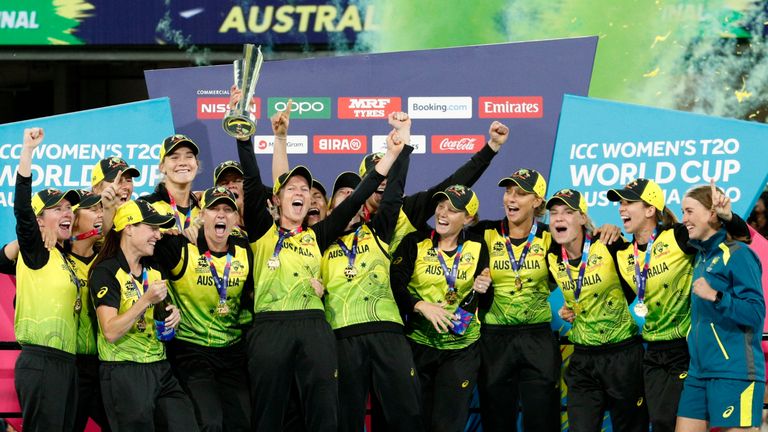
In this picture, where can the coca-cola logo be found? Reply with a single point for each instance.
(457, 143)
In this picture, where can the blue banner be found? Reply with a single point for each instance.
(75, 142)
(603, 145)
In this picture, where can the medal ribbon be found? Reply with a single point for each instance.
(450, 278)
(175, 209)
(85, 235)
(642, 276)
(284, 234)
(515, 263)
(144, 283)
(72, 275)
(351, 253)
(582, 265)
(223, 282)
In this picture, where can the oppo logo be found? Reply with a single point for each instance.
(302, 108)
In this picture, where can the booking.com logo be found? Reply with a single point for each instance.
(301, 108)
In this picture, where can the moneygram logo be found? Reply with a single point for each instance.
(457, 143)
(214, 108)
(302, 108)
(265, 144)
(418, 142)
(340, 144)
(440, 107)
(368, 107)
(510, 107)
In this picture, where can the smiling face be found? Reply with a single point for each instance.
(566, 224)
(59, 216)
(293, 199)
(636, 215)
(87, 219)
(448, 220)
(519, 205)
(142, 238)
(318, 207)
(219, 220)
(180, 166)
(700, 221)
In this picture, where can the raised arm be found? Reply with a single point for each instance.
(385, 219)
(31, 244)
(280, 123)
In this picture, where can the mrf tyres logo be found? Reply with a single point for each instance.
(340, 144)
(368, 107)
(301, 107)
(457, 143)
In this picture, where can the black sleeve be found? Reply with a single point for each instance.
(104, 287)
(246, 296)
(484, 261)
(169, 251)
(617, 246)
(385, 220)
(258, 220)
(419, 206)
(330, 228)
(737, 228)
(400, 272)
(31, 245)
(7, 265)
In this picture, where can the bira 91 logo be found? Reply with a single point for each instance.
(340, 144)
(510, 107)
(215, 108)
(368, 107)
(457, 143)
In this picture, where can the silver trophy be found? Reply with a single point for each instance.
(239, 122)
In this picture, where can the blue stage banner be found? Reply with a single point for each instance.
(74, 142)
(603, 145)
(341, 103)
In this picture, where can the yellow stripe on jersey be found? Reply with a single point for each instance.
(745, 408)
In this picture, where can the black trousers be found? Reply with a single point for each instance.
(145, 397)
(89, 401)
(216, 380)
(46, 385)
(383, 364)
(520, 364)
(607, 377)
(293, 347)
(665, 367)
(448, 379)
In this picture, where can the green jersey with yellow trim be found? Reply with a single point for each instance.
(194, 291)
(45, 304)
(288, 287)
(402, 229)
(602, 315)
(86, 327)
(366, 297)
(417, 254)
(160, 200)
(668, 287)
(515, 304)
(112, 285)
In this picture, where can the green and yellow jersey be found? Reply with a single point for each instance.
(194, 290)
(45, 289)
(602, 314)
(161, 201)
(416, 274)
(112, 285)
(516, 303)
(87, 327)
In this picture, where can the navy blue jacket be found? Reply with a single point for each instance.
(724, 341)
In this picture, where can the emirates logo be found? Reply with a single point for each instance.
(522, 174)
(565, 193)
(457, 190)
(115, 162)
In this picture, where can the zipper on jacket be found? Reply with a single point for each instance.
(717, 338)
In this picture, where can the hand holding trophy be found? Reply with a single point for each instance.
(239, 122)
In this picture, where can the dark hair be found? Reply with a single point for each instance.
(665, 218)
(108, 250)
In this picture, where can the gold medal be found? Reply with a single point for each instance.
(141, 325)
(222, 309)
(78, 305)
(518, 282)
(273, 263)
(576, 308)
(451, 297)
(350, 272)
(641, 309)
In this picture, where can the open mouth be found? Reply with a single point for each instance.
(442, 222)
(65, 225)
(297, 204)
(313, 211)
(220, 228)
(123, 197)
(97, 225)
(379, 191)
(561, 229)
